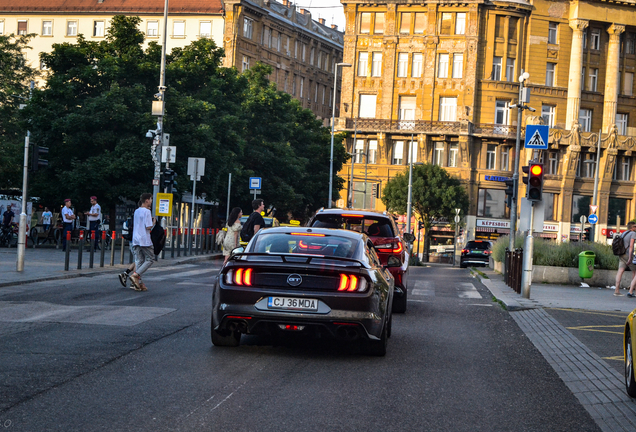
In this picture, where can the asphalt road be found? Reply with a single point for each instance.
(87, 354)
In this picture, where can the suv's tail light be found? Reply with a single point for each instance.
(487, 252)
(240, 276)
(390, 248)
(465, 251)
(352, 283)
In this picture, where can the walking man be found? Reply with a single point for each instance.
(255, 222)
(142, 243)
(46, 219)
(67, 218)
(625, 261)
(94, 218)
(7, 216)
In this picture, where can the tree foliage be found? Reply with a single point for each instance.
(435, 195)
(94, 112)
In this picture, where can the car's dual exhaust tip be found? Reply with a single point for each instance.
(347, 333)
(240, 326)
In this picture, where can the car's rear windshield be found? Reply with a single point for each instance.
(306, 243)
(371, 226)
(478, 245)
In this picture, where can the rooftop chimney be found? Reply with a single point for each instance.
(321, 21)
(335, 27)
(286, 3)
(305, 12)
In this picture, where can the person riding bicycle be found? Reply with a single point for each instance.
(7, 217)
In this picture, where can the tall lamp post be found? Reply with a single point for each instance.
(333, 117)
(409, 202)
(25, 182)
(596, 174)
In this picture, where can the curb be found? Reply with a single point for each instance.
(92, 272)
(502, 293)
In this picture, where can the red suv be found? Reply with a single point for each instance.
(381, 229)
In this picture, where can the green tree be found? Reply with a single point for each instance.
(15, 75)
(435, 194)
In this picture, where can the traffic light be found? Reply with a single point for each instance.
(535, 182)
(509, 192)
(168, 179)
(526, 171)
(420, 225)
(36, 162)
(586, 232)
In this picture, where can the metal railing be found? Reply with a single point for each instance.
(386, 125)
(514, 264)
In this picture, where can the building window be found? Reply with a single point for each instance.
(294, 88)
(626, 164)
(492, 203)
(496, 69)
(43, 65)
(446, 23)
(365, 23)
(405, 22)
(453, 153)
(330, 97)
(585, 39)
(319, 63)
(593, 79)
(1, 27)
(311, 56)
(585, 119)
(491, 157)
(420, 23)
(302, 88)
(438, 154)
(359, 151)
(512, 28)
(152, 29)
(47, 28)
(595, 42)
(372, 151)
(324, 89)
(442, 68)
(22, 28)
(205, 29)
(316, 93)
(447, 108)
(416, 69)
(505, 157)
(367, 106)
(553, 33)
(376, 64)
(547, 113)
(502, 112)
(363, 61)
(406, 110)
(304, 52)
(71, 28)
(378, 27)
(413, 145)
(589, 165)
(248, 27)
(550, 72)
(460, 23)
(178, 29)
(617, 208)
(580, 207)
(499, 26)
(398, 153)
(458, 65)
(621, 123)
(553, 163)
(98, 28)
(510, 70)
(246, 63)
(629, 44)
(628, 84)
(403, 65)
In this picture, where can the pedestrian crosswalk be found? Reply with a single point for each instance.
(425, 289)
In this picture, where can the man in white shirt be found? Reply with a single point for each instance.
(67, 218)
(94, 217)
(141, 241)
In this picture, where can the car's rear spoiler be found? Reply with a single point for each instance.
(300, 258)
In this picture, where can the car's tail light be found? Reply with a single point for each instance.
(398, 248)
(390, 248)
(351, 283)
(488, 252)
(465, 251)
(308, 234)
(352, 215)
(240, 276)
(303, 245)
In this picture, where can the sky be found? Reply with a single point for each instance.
(330, 10)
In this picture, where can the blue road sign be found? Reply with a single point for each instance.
(592, 219)
(537, 136)
(255, 182)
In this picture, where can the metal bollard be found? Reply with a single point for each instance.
(173, 233)
(80, 250)
(112, 248)
(121, 255)
(67, 253)
(197, 241)
(91, 248)
(163, 251)
(103, 249)
(179, 243)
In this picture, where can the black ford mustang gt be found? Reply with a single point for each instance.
(305, 280)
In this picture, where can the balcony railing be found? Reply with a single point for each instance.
(416, 126)
(495, 130)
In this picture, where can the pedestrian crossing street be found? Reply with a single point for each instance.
(424, 290)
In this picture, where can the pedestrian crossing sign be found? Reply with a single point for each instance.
(537, 137)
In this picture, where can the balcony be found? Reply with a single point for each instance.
(415, 126)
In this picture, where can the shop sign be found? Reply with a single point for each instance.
(550, 227)
(575, 228)
(609, 232)
(496, 178)
(493, 223)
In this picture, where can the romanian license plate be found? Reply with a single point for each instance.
(289, 303)
(478, 252)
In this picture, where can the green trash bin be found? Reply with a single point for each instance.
(586, 264)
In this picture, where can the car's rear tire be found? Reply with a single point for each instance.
(630, 383)
(226, 338)
(377, 348)
(399, 303)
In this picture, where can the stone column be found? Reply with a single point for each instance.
(612, 79)
(576, 63)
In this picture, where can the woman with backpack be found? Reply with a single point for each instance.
(231, 240)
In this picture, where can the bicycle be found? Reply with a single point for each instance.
(9, 236)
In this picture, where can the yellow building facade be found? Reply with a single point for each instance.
(445, 75)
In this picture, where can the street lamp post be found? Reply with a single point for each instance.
(333, 116)
(25, 182)
(353, 156)
(408, 202)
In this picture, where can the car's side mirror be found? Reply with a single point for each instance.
(409, 237)
(393, 262)
(238, 250)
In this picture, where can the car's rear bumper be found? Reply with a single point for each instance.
(475, 260)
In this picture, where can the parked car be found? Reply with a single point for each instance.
(476, 252)
(383, 232)
(628, 347)
(305, 281)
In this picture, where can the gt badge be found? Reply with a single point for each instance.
(294, 279)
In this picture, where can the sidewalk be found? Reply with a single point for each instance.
(556, 296)
(48, 264)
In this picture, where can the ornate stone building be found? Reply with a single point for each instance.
(301, 51)
(446, 74)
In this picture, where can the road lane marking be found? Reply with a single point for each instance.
(468, 290)
(479, 304)
(418, 301)
(170, 268)
(596, 328)
(604, 313)
(195, 283)
(619, 358)
(423, 292)
(182, 275)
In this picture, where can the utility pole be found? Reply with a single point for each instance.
(409, 203)
(333, 119)
(25, 183)
(353, 156)
(594, 195)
